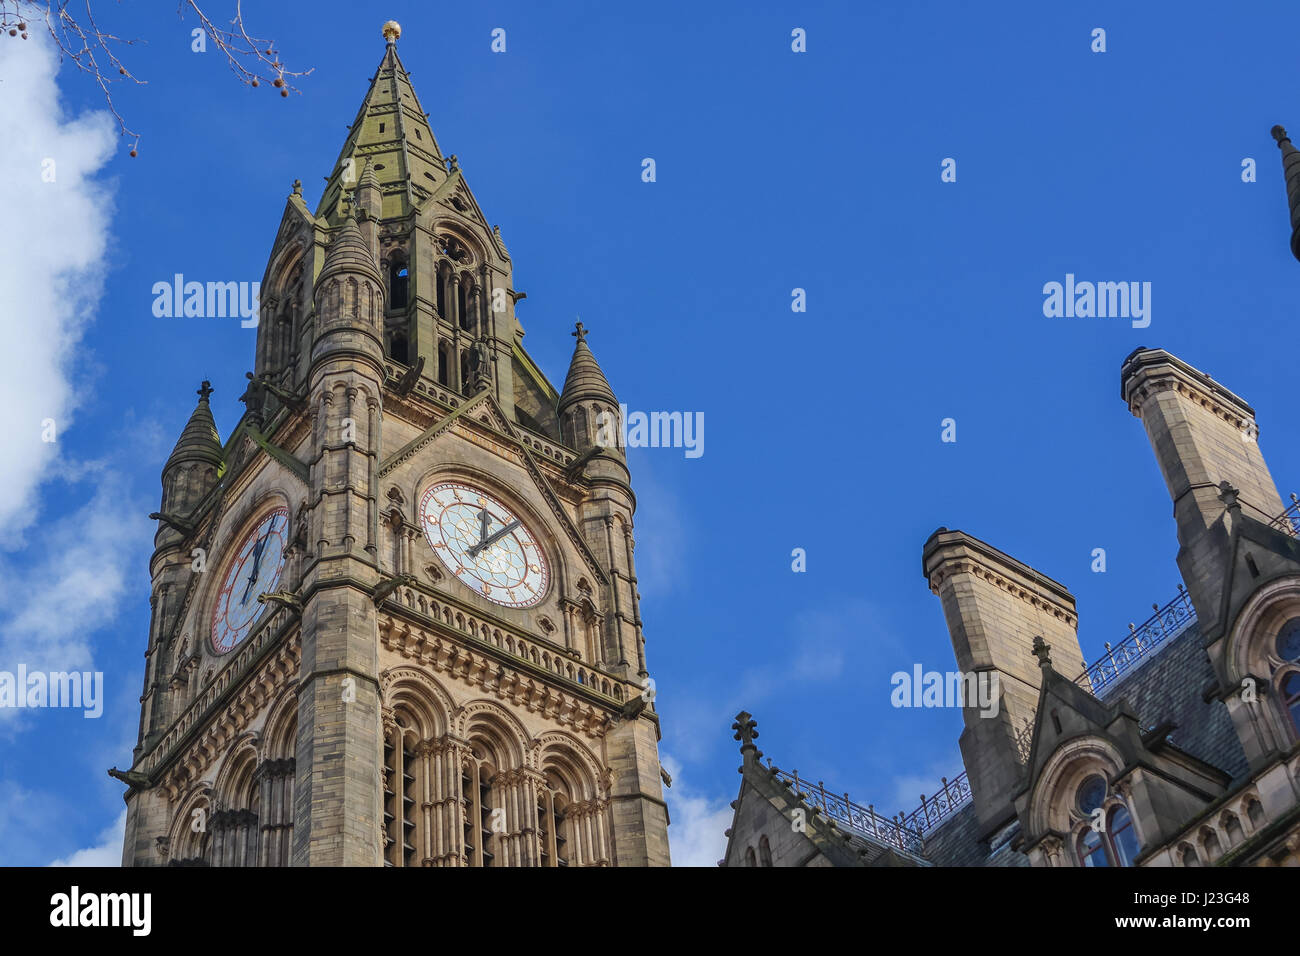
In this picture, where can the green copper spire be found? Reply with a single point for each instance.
(393, 133)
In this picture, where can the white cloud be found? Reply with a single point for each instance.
(51, 263)
(696, 836)
(62, 590)
(108, 852)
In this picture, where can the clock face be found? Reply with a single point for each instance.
(484, 545)
(254, 570)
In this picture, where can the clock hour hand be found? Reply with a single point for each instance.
(485, 522)
(257, 562)
(487, 542)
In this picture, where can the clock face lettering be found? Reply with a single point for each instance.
(254, 570)
(484, 544)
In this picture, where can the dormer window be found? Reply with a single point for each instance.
(1106, 836)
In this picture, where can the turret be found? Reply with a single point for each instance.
(1202, 435)
(339, 695)
(195, 463)
(588, 411)
(996, 607)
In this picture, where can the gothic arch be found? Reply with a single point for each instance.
(413, 693)
(564, 755)
(1051, 804)
(455, 229)
(280, 738)
(498, 729)
(234, 783)
(1261, 617)
(1251, 652)
(183, 841)
(280, 274)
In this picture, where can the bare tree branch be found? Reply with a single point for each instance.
(78, 36)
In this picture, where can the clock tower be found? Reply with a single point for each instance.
(395, 617)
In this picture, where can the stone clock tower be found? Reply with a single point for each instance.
(395, 614)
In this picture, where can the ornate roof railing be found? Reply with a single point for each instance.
(905, 831)
(908, 831)
(1167, 622)
(1289, 520)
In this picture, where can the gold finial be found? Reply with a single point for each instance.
(392, 30)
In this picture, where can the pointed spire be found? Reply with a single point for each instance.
(392, 131)
(585, 379)
(368, 178)
(348, 252)
(200, 440)
(1291, 172)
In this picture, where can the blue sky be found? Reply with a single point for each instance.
(775, 171)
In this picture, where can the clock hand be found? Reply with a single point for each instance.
(257, 561)
(485, 522)
(474, 551)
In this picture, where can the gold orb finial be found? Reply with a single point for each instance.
(392, 30)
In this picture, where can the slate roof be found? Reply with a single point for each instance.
(1169, 687)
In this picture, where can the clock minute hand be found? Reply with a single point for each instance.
(257, 563)
(486, 542)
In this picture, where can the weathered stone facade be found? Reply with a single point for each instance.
(1180, 748)
(378, 709)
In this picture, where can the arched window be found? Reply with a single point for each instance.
(1255, 814)
(400, 802)
(1122, 836)
(1189, 856)
(1116, 843)
(1231, 828)
(764, 851)
(476, 800)
(1092, 849)
(442, 295)
(553, 823)
(1291, 698)
(462, 304)
(581, 432)
(398, 283)
(749, 857)
(1210, 844)
(444, 366)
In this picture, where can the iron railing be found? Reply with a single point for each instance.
(1167, 622)
(908, 831)
(904, 831)
(1289, 520)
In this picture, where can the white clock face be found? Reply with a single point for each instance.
(255, 569)
(484, 544)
